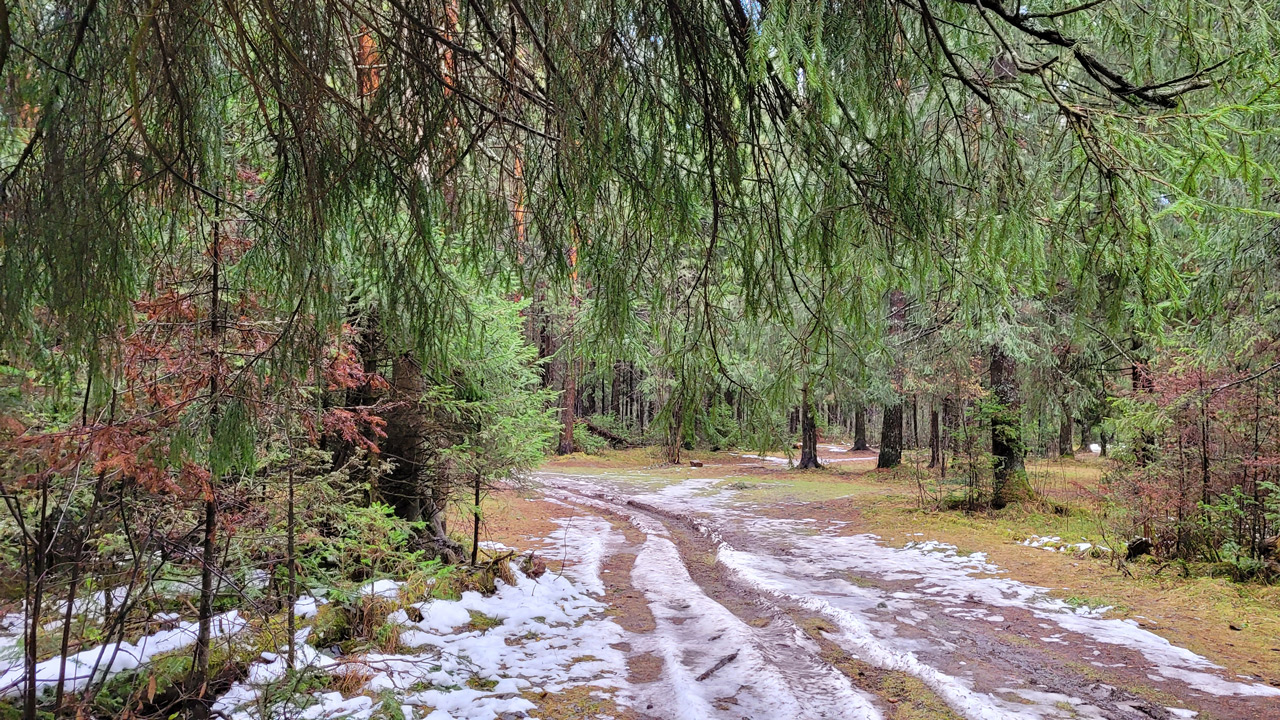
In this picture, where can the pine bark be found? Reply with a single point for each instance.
(405, 441)
(891, 428)
(891, 437)
(808, 433)
(860, 428)
(935, 437)
(915, 422)
(675, 431)
(1066, 433)
(1009, 481)
(567, 417)
(570, 397)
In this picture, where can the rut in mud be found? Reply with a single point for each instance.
(756, 617)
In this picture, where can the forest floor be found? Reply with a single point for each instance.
(746, 589)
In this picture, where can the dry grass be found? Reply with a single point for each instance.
(351, 681)
(510, 516)
(577, 703)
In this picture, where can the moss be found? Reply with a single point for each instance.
(331, 626)
(915, 701)
(124, 691)
(485, 684)
(482, 622)
(10, 710)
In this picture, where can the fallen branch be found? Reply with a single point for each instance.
(614, 439)
(723, 661)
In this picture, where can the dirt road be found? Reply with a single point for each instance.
(733, 614)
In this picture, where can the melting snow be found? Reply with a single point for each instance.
(695, 632)
(551, 635)
(586, 540)
(111, 658)
(811, 570)
(1056, 544)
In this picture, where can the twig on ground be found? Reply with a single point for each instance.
(723, 661)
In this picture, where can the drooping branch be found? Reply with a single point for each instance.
(1163, 94)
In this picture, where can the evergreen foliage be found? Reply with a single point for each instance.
(333, 271)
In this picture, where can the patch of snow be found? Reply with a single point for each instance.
(694, 632)
(1057, 544)
(943, 574)
(307, 607)
(438, 616)
(257, 579)
(857, 637)
(581, 543)
(551, 634)
(383, 588)
(766, 458)
(111, 658)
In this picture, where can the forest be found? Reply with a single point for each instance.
(434, 359)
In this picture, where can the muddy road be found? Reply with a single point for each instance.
(733, 614)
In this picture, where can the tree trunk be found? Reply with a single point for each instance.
(951, 419)
(1065, 433)
(675, 429)
(1086, 436)
(199, 676)
(405, 441)
(291, 557)
(368, 69)
(1142, 383)
(860, 428)
(566, 413)
(915, 422)
(1009, 481)
(475, 528)
(891, 437)
(808, 433)
(891, 428)
(615, 391)
(935, 437)
(34, 565)
(208, 555)
(570, 399)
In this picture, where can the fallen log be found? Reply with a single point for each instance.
(614, 439)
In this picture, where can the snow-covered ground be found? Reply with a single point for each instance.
(921, 610)
(103, 660)
(902, 620)
(548, 634)
(551, 635)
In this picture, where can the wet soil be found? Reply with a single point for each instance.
(1008, 653)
